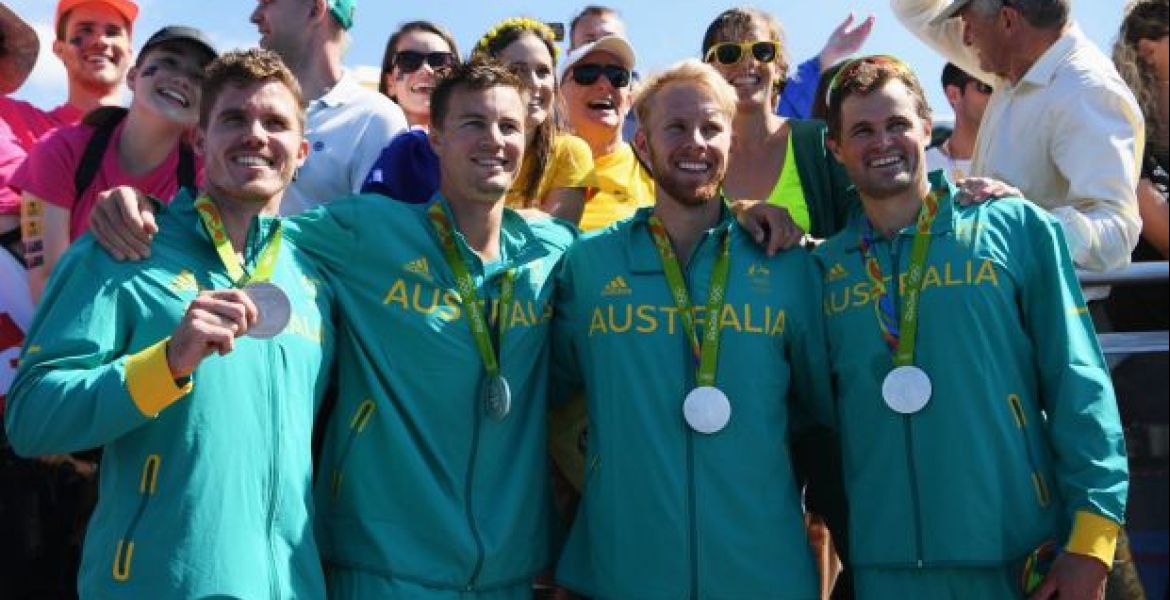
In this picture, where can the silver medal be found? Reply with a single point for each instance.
(497, 397)
(707, 409)
(906, 390)
(273, 306)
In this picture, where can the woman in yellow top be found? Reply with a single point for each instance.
(783, 161)
(557, 167)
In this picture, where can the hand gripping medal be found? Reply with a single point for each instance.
(706, 408)
(906, 389)
(495, 395)
(271, 301)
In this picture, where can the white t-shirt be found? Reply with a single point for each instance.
(955, 169)
(346, 129)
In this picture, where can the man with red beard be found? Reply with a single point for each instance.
(688, 488)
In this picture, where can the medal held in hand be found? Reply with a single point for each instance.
(271, 301)
(706, 408)
(273, 306)
(495, 395)
(906, 389)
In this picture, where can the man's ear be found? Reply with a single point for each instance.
(198, 140)
(834, 149)
(131, 75)
(435, 137)
(1147, 49)
(953, 93)
(302, 152)
(642, 146)
(317, 9)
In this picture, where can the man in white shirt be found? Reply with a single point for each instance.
(347, 125)
(968, 98)
(1061, 125)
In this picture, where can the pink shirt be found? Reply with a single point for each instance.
(48, 174)
(21, 125)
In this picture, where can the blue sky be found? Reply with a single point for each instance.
(662, 31)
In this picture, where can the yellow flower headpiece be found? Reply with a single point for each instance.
(522, 23)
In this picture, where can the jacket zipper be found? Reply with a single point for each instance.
(273, 477)
(471, 522)
(147, 486)
(357, 424)
(1038, 483)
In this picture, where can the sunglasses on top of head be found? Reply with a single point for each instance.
(730, 53)
(409, 61)
(588, 74)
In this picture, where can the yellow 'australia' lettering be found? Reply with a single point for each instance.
(597, 323)
(518, 316)
(931, 277)
(629, 314)
(987, 273)
(777, 323)
(397, 294)
(729, 319)
(299, 325)
(434, 299)
(647, 322)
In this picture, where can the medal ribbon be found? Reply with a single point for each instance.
(705, 355)
(900, 331)
(467, 296)
(265, 263)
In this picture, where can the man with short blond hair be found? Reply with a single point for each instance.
(674, 465)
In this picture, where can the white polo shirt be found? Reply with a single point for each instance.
(1069, 135)
(346, 129)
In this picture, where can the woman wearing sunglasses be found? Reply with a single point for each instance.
(596, 91)
(415, 55)
(557, 167)
(785, 162)
(782, 161)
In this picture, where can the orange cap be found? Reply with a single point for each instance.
(126, 8)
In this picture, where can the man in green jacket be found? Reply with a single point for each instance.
(977, 418)
(205, 476)
(433, 475)
(697, 354)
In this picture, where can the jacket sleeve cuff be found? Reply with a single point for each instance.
(149, 380)
(1094, 535)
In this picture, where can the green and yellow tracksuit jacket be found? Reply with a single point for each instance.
(416, 481)
(204, 487)
(1021, 440)
(666, 512)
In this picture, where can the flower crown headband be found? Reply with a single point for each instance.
(523, 23)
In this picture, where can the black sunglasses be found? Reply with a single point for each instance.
(730, 53)
(587, 74)
(409, 61)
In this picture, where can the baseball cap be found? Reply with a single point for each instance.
(614, 44)
(127, 8)
(950, 11)
(20, 50)
(342, 10)
(179, 33)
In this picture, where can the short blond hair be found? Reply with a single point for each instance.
(690, 71)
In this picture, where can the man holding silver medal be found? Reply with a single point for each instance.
(977, 418)
(697, 354)
(204, 486)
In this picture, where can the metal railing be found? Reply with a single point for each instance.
(1131, 342)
